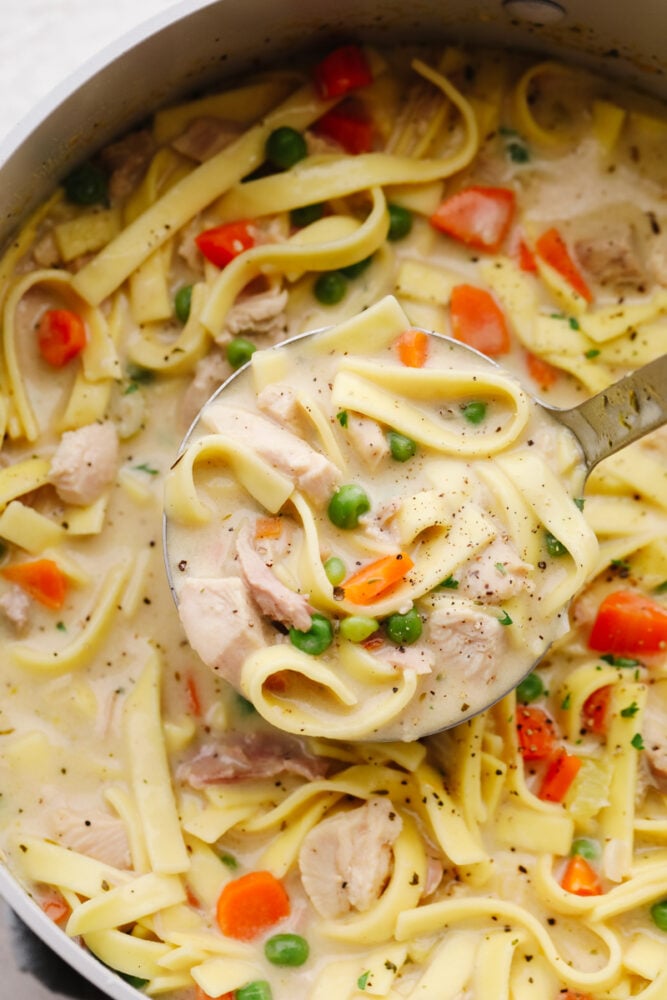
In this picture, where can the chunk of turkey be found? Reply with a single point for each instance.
(272, 597)
(497, 573)
(260, 313)
(367, 439)
(467, 641)
(15, 606)
(94, 833)
(221, 623)
(310, 471)
(345, 861)
(206, 136)
(85, 463)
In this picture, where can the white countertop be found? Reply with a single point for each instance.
(42, 41)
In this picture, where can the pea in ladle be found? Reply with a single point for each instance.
(602, 425)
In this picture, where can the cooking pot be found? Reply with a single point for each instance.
(200, 42)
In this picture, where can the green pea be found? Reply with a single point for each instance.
(86, 185)
(530, 688)
(330, 288)
(585, 847)
(318, 637)
(400, 222)
(239, 351)
(335, 570)
(260, 989)
(555, 548)
(287, 949)
(659, 914)
(306, 214)
(474, 412)
(183, 302)
(356, 628)
(517, 152)
(404, 629)
(285, 147)
(347, 505)
(401, 447)
(354, 270)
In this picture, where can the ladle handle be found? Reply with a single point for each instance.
(619, 415)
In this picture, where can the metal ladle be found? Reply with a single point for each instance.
(603, 424)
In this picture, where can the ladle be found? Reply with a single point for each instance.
(603, 424)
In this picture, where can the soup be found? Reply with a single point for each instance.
(146, 806)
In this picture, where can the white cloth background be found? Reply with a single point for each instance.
(42, 41)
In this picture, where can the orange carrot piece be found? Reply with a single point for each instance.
(55, 907)
(526, 257)
(251, 904)
(200, 995)
(61, 336)
(595, 709)
(574, 995)
(561, 772)
(412, 348)
(194, 702)
(580, 879)
(552, 249)
(541, 372)
(41, 579)
(629, 622)
(535, 732)
(369, 582)
(268, 527)
(478, 320)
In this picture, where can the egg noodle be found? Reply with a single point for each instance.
(146, 806)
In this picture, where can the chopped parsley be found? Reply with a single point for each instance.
(148, 469)
(565, 703)
(505, 620)
(362, 981)
(555, 548)
(229, 860)
(61, 626)
(449, 584)
(630, 710)
(591, 353)
(621, 566)
(661, 588)
(623, 662)
(141, 375)
(579, 502)
(637, 741)
(341, 417)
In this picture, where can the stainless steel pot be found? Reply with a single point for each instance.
(198, 42)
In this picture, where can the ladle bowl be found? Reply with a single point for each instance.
(601, 425)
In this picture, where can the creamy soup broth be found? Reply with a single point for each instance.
(146, 806)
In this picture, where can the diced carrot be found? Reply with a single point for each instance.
(478, 320)
(55, 907)
(251, 904)
(349, 127)
(526, 256)
(268, 527)
(343, 70)
(412, 348)
(552, 249)
(535, 731)
(541, 372)
(191, 898)
(42, 579)
(61, 336)
(222, 243)
(573, 995)
(478, 216)
(561, 772)
(629, 622)
(194, 703)
(595, 709)
(579, 878)
(200, 995)
(372, 580)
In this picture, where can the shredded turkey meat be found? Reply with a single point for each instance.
(240, 756)
(204, 137)
(85, 463)
(272, 597)
(345, 861)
